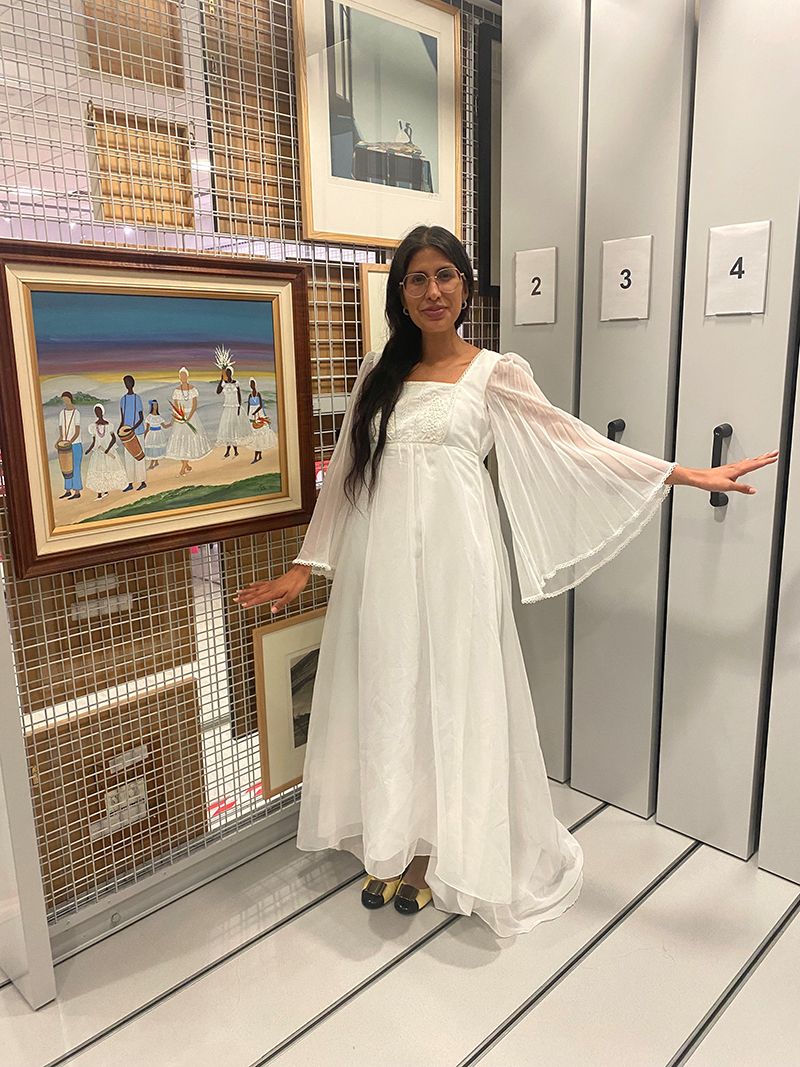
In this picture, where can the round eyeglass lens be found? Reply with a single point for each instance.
(447, 280)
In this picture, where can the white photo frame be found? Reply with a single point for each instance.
(353, 110)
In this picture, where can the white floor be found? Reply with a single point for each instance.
(675, 953)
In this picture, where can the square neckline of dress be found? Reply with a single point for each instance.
(457, 382)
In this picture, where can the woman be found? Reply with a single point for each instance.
(188, 439)
(234, 426)
(104, 471)
(262, 436)
(423, 757)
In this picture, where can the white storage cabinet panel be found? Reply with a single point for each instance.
(745, 168)
(543, 60)
(640, 90)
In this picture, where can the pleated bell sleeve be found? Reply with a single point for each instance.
(574, 498)
(323, 539)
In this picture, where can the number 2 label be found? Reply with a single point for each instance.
(537, 286)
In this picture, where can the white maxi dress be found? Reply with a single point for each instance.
(422, 737)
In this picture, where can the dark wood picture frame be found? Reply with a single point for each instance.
(284, 284)
(488, 37)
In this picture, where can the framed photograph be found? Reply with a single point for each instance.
(489, 131)
(286, 655)
(379, 92)
(373, 278)
(150, 402)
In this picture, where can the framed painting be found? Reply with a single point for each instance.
(489, 132)
(286, 655)
(379, 91)
(150, 402)
(375, 329)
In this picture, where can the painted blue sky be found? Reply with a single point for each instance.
(81, 332)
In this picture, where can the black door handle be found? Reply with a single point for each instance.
(614, 427)
(721, 433)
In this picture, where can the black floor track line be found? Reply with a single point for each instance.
(528, 1005)
(689, 1047)
(208, 969)
(119, 1024)
(173, 900)
(326, 1013)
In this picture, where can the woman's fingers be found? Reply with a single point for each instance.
(256, 593)
(745, 466)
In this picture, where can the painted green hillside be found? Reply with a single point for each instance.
(78, 399)
(192, 496)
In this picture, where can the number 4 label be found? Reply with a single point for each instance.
(738, 257)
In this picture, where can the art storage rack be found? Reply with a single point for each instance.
(164, 125)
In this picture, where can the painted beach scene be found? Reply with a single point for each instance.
(155, 404)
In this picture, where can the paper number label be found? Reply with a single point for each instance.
(737, 269)
(625, 278)
(535, 286)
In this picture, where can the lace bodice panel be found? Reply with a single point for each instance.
(443, 413)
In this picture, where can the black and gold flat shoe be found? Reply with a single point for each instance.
(409, 900)
(375, 893)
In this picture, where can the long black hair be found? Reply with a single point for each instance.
(402, 352)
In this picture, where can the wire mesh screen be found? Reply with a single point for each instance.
(160, 124)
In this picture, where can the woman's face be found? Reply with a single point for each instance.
(184, 377)
(435, 312)
(252, 385)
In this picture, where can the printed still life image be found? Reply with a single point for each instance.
(383, 99)
(141, 418)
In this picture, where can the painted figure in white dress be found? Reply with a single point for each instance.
(423, 757)
(188, 440)
(262, 436)
(104, 471)
(234, 425)
(155, 436)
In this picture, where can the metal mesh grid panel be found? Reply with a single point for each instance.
(159, 124)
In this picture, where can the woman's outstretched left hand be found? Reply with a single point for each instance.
(725, 478)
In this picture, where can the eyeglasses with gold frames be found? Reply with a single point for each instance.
(447, 280)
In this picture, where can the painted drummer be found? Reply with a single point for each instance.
(70, 448)
(132, 419)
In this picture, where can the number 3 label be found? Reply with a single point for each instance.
(626, 279)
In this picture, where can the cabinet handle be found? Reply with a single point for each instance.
(614, 427)
(721, 433)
